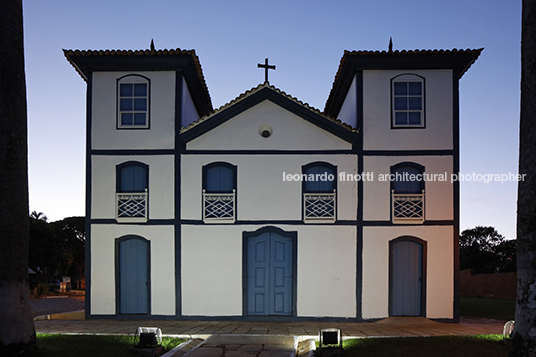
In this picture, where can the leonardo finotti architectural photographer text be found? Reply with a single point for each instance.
(371, 176)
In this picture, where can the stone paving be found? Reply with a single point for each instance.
(391, 327)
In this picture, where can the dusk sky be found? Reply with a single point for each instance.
(305, 39)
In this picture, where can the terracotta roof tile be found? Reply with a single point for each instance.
(255, 90)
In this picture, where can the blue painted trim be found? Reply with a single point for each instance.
(177, 198)
(269, 152)
(269, 229)
(118, 274)
(333, 168)
(226, 318)
(423, 103)
(360, 169)
(87, 252)
(132, 152)
(407, 164)
(456, 188)
(391, 224)
(269, 94)
(134, 127)
(445, 152)
(150, 222)
(423, 267)
(122, 165)
(192, 222)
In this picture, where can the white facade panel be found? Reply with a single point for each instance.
(327, 271)
(189, 112)
(377, 132)
(439, 194)
(348, 112)
(439, 269)
(162, 278)
(211, 270)
(161, 185)
(104, 132)
(289, 132)
(263, 192)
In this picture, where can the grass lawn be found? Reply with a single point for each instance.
(440, 346)
(51, 345)
(500, 309)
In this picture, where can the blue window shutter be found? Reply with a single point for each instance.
(317, 185)
(133, 179)
(220, 179)
(402, 184)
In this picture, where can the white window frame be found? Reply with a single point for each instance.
(133, 79)
(405, 78)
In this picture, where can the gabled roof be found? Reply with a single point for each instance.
(186, 61)
(258, 94)
(351, 61)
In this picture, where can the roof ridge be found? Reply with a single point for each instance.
(254, 90)
(127, 52)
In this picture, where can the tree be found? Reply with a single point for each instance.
(72, 234)
(17, 331)
(484, 250)
(46, 255)
(524, 336)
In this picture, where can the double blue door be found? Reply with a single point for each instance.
(406, 278)
(133, 276)
(269, 274)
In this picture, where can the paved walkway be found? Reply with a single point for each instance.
(391, 327)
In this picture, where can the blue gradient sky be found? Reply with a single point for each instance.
(305, 39)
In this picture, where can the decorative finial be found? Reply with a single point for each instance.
(152, 45)
(266, 67)
(390, 44)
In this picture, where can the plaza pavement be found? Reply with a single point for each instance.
(390, 327)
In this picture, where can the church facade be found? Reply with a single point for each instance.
(266, 208)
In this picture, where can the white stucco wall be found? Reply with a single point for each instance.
(161, 185)
(327, 271)
(262, 194)
(439, 269)
(377, 132)
(348, 112)
(290, 132)
(439, 195)
(212, 280)
(162, 246)
(104, 132)
(189, 112)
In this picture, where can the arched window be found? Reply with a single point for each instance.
(407, 189)
(133, 102)
(320, 177)
(408, 101)
(132, 183)
(319, 184)
(219, 177)
(407, 178)
(219, 192)
(132, 177)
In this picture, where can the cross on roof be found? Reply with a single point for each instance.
(266, 67)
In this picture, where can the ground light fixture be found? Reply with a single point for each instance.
(330, 337)
(148, 336)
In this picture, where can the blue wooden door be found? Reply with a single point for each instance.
(133, 276)
(406, 275)
(269, 274)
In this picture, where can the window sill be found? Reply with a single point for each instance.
(219, 220)
(319, 220)
(408, 221)
(131, 220)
